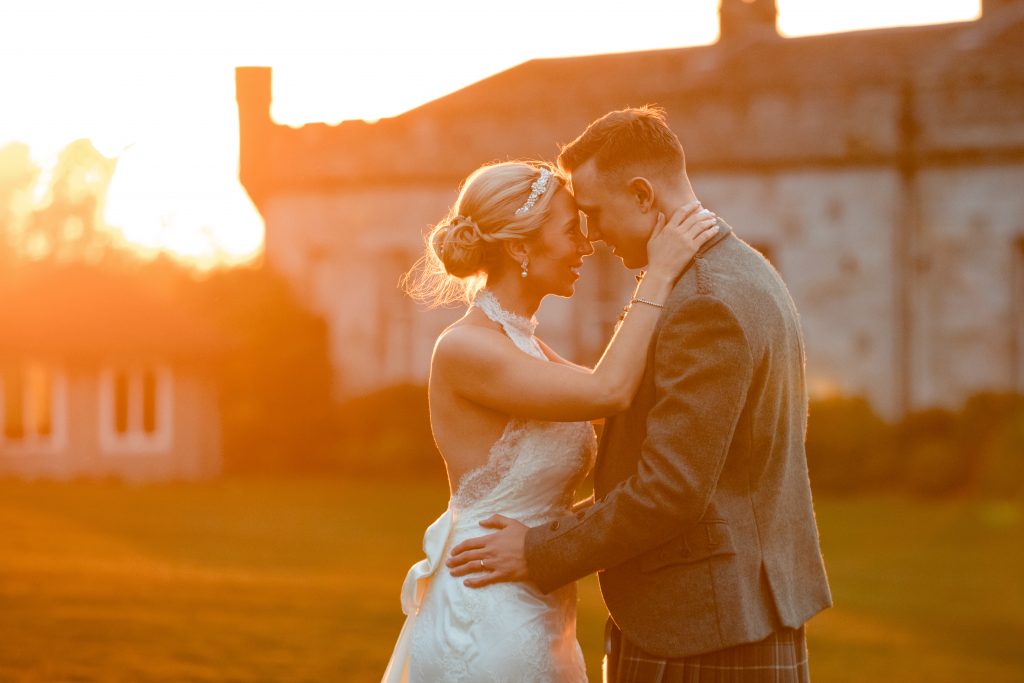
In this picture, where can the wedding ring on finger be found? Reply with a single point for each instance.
(483, 566)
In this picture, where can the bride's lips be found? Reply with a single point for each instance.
(575, 269)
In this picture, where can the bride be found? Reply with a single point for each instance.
(511, 418)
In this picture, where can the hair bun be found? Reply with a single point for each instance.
(460, 246)
(467, 247)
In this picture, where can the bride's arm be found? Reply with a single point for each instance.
(484, 366)
(550, 353)
(554, 357)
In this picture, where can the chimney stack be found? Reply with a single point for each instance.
(255, 128)
(747, 18)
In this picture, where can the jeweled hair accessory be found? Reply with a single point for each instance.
(540, 185)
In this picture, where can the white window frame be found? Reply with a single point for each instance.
(136, 440)
(57, 439)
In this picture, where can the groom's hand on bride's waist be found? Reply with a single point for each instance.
(494, 558)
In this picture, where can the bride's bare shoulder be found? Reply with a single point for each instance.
(469, 341)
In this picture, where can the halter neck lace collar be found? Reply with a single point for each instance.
(518, 328)
(492, 308)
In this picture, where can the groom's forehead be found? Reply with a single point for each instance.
(581, 184)
(582, 201)
(588, 182)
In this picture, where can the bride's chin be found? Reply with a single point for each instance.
(563, 289)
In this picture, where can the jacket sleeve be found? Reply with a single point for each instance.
(702, 372)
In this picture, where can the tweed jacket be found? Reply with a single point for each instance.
(702, 529)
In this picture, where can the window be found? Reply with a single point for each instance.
(135, 409)
(32, 406)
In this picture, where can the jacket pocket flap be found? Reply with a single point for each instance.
(709, 538)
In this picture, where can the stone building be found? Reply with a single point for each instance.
(881, 171)
(101, 376)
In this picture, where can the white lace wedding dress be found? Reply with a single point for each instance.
(507, 632)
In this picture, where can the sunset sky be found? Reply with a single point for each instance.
(152, 82)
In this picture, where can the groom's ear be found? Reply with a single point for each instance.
(642, 191)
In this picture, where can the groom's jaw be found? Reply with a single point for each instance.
(631, 258)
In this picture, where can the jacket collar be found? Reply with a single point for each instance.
(724, 230)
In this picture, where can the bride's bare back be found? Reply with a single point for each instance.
(464, 430)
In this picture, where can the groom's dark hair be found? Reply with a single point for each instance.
(637, 141)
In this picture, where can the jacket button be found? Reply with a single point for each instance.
(554, 526)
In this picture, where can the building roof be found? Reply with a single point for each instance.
(751, 99)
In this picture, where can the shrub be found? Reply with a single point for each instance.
(387, 433)
(992, 436)
(977, 450)
(276, 385)
(849, 447)
(933, 464)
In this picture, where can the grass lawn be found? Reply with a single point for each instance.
(299, 580)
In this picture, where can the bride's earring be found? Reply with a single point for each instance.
(525, 264)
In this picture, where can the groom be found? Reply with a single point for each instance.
(701, 530)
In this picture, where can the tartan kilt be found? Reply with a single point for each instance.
(779, 658)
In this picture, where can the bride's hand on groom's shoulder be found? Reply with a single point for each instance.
(495, 558)
(677, 239)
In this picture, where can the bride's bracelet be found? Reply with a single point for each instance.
(640, 300)
(634, 300)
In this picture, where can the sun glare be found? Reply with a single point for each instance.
(167, 197)
(205, 220)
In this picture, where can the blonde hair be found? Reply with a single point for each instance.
(468, 244)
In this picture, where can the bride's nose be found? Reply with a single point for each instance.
(585, 247)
